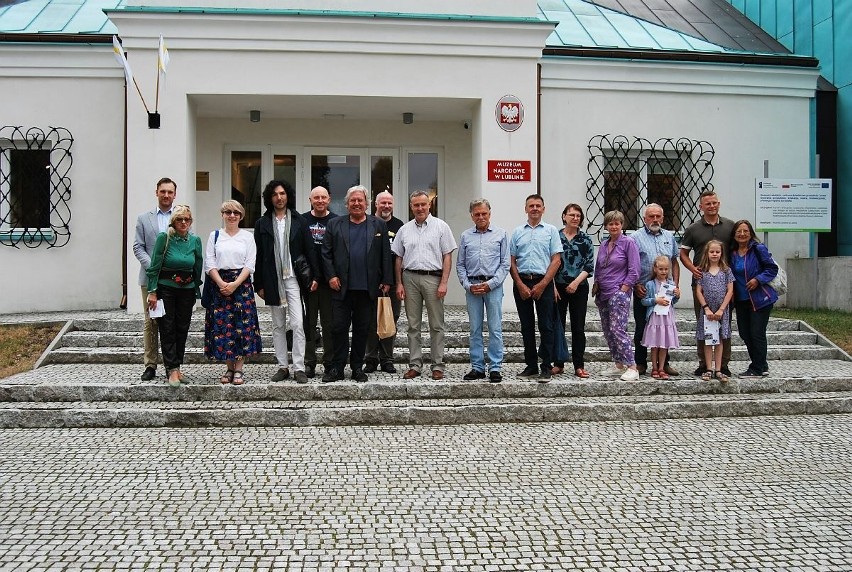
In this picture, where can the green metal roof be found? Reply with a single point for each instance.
(58, 16)
(579, 23)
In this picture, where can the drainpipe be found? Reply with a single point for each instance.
(124, 238)
(538, 127)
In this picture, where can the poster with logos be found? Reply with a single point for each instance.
(792, 205)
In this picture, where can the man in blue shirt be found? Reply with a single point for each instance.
(535, 251)
(482, 266)
(653, 241)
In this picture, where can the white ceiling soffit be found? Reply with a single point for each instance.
(318, 106)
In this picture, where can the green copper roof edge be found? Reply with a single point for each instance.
(325, 13)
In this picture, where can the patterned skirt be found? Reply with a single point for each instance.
(231, 330)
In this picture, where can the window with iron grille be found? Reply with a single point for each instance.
(625, 174)
(35, 189)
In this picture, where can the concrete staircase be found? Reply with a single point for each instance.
(89, 377)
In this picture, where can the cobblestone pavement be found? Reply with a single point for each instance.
(709, 494)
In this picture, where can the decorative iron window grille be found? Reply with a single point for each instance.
(627, 173)
(35, 190)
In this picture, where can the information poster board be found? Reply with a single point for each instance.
(792, 205)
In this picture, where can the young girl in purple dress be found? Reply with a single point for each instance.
(714, 292)
(660, 330)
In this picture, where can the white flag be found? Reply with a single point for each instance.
(119, 55)
(162, 56)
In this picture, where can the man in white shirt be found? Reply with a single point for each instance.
(424, 247)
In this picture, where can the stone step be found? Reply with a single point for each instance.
(415, 411)
(452, 355)
(455, 321)
(454, 339)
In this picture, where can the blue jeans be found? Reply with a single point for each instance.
(492, 305)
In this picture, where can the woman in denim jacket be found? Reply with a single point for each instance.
(753, 269)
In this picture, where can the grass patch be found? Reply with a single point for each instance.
(21, 345)
(833, 324)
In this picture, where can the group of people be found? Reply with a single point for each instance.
(318, 267)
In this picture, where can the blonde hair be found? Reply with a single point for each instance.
(704, 264)
(233, 205)
(661, 258)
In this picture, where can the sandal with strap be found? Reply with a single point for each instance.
(722, 377)
(581, 373)
(228, 377)
(655, 374)
(238, 378)
(707, 375)
(663, 375)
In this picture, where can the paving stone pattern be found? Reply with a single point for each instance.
(712, 494)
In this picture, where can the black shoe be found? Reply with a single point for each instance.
(750, 373)
(642, 369)
(495, 377)
(764, 373)
(149, 373)
(699, 371)
(474, 374)
(725, 371)
(544, 376)
(359, 375)
(311, 371)
(388, 367)
(529, 371)
(331, 375)
(369, 367)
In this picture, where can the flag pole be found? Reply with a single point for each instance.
(139, 91)
(157, 98)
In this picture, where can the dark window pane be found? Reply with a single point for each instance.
(29, 188)
(246, 186)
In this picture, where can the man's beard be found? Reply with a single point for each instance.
(655, 227)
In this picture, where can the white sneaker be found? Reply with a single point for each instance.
(630, 375)
(613, 372)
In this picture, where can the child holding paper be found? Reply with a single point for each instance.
(714, 292)
(660, 335)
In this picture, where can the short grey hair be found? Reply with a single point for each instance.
(478, 203)
(357, 189)
(379, 195)
(416, 194)
(652, 206)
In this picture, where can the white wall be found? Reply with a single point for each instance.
(84, 93)
(747, 114)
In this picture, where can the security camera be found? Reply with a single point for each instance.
(466, 125)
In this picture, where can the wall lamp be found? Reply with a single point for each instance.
(408, 118)
(254, 116)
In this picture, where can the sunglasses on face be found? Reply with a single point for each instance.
(182, 220)
(231, 213)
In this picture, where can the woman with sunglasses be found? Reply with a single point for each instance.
(231, 331)
(175, 277)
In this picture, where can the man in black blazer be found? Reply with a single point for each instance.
(356, 259)
(287, 263)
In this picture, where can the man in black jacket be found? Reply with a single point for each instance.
(286, 264)
(357, 262)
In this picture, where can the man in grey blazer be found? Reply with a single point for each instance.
(148, 226)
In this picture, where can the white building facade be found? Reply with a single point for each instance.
(334, 88)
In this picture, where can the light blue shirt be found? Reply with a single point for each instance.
(163, 219)
(650, 247)
(483, 254)
(533, 246)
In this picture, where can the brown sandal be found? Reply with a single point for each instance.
(581, 373)
(238, 378)
(228, 377)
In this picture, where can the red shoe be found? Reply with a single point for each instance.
(581, 373)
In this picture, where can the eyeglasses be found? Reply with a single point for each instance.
(182, 220)
(231, 213)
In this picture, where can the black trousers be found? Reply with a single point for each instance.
(319, 303)
(752, 325)
(174, 326)
(527, 311)
(574, 306)
(353, 309)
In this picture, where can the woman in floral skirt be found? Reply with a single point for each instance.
(231, 331)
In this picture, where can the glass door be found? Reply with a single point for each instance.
(336, 170)
(423, 173)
